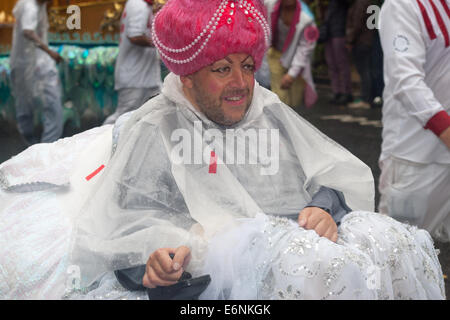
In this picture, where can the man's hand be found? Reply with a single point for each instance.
(313, 218)
(55, 56)
(286, 81)
(161, 270)
(445, 137)
(142, 41)
(32, 36)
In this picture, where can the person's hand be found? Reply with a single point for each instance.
(286, 81)
(142, 40)
(55, 56)
(445, 137)
(161, 270)
(313, 218)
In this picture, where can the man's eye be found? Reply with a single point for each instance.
(222, 70)
(249, 67)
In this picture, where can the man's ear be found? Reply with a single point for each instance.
(187, 81)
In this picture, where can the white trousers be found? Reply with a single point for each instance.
(131, 99)
(418, 194)
(33, 91)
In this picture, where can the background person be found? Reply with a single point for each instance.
(415, 155)
(34, 77)
(336, 53)
(359, 40)
(138, 71)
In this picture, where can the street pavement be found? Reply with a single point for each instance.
(358, 130)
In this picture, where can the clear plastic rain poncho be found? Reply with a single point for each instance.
(161, 187)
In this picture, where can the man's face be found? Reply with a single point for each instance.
(223, 91)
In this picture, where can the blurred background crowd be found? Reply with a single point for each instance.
(347, 55)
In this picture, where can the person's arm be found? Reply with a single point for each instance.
(324, 212)
(445, 137)
(331, 201)
(404, 45)
(32, 36)
(160, 270)
(302, 57)
(137, 23)
(29, 23)
(356, 21)
(141, 40)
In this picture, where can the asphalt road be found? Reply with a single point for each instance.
(358, 130)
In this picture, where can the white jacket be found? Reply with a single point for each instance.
(415, 36)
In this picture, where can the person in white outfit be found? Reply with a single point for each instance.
(34, 77)
(415, 156)
(138, 71)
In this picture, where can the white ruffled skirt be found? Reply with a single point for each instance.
(375, 257)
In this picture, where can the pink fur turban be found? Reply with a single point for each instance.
(191, 34)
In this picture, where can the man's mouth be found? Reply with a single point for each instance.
(236, 99)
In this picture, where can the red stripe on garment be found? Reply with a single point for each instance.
(427, 21)
(93, 174)
(441, 24)
(438, 123)
(213, 163)
(447, 9)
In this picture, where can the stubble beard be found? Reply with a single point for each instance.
(212, 108)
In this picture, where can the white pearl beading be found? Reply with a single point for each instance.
(209, 30)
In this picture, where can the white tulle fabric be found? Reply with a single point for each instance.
(46, 165)
(272, 258)
(269, 258)
(35, 223)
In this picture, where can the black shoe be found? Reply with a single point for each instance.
(344, 99)
(335, 99)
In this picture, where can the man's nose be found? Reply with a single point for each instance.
(238, 78)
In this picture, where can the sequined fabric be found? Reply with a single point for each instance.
(262, 258)
(375, 257)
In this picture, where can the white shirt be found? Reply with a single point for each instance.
(417, 78)
(137, 66)
(30, 15)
